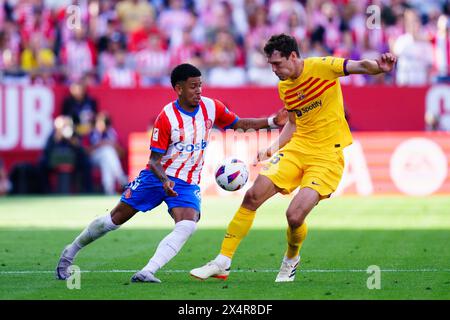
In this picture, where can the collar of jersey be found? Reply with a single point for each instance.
(191, 114)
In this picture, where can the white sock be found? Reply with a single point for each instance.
(171, 245)
(290, 261)
(97, 228)
(223, 261)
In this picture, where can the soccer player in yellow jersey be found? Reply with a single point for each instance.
(308, 153)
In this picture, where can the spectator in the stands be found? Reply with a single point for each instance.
(105, 152)
(138, 38)
(259, 71)
(78, 55)
(321, 27)
(153, 62)
(133, 13)
(9, 42)
(219, 19)
(441, 48)
(173, 20)
(35, 17)
(414, 53)
(280, 14)
(227, 62)
(188, 51)
(12, 73)
(102, 17)
(64, 155)
(121, 75)
(259, 28)
(80, 107)
(107, 57)
(113, 34)
(39, 60)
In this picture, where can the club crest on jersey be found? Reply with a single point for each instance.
(127, 194)
(209, 124)
(300, 95)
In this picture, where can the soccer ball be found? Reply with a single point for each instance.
(232, 174)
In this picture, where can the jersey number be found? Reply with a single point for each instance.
(134, 184)
(276, 158)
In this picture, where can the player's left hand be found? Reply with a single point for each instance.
(281, 117)
(168, 188)
(387, 61)
(262, 155)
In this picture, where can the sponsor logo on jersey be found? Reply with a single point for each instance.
(189, 147)
(155, 134)
(308, 108)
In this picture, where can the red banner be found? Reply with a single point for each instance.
(26, 114)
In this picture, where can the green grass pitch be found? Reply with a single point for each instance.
(408, 238)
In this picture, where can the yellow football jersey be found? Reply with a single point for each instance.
(316, 98)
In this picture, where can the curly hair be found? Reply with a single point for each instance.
(182, 72)
(283, 43)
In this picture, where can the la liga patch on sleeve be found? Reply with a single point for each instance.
(155, 134)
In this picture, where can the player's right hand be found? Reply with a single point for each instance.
(168, 188)
(262, 155)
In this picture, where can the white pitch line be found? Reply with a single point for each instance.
(237, 271)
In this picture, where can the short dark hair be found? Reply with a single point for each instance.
(182, 72)
(283, 43)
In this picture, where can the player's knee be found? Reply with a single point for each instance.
(251, 199)
(121, 213)
(116, 218)
(295, 217)
(119, 217)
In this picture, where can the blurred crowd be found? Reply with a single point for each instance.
(83, 141)
(135, 43)
(82, 153)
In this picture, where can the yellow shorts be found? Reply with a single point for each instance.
(290, 168)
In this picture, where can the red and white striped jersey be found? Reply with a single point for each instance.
(183, 137)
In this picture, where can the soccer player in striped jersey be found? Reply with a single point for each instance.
(178, 144)
(311, 145)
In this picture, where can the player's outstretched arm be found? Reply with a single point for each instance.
(278, 120)
(284, 137)
(385, 63)
(155, 166)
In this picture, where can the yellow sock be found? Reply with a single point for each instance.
(295, 240)
(237, 230)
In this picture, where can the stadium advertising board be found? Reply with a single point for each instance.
(409, 163)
